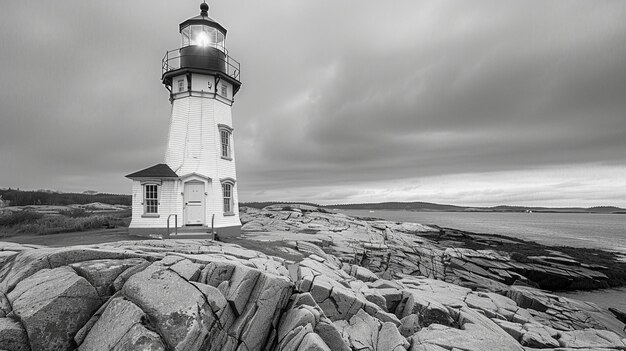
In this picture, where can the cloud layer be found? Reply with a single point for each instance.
(341, 101)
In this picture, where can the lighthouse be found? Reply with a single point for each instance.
(195, 189)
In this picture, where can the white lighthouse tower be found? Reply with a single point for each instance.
(196, 186)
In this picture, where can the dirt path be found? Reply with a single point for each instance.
(75, 238)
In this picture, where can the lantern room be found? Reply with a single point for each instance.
(202, 50)
(203, 31)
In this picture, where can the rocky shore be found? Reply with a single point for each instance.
(305, 280)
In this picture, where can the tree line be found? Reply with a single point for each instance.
(13, 197)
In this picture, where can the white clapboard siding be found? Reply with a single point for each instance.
(194, 153)
(170, 202)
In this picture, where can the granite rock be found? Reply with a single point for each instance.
(52, 305)
(13, 336)
(368, 285)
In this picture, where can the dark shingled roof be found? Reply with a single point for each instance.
(157, 171)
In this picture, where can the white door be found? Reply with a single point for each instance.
(194, 203)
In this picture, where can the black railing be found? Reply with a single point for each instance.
(171, 62)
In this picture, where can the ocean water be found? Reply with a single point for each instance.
(606, 298)
(601, 231)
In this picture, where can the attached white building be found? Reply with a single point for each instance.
(197, 184)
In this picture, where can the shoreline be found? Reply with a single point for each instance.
(465, 258)
(604, 260)
(554, 229)
(611, 263)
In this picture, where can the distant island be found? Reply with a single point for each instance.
(16, 197)
(432, 207)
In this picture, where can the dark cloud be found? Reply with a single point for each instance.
(340, 100)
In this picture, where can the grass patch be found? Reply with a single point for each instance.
(73, 220)
(19, 217)
(75, 213)
(63, 224)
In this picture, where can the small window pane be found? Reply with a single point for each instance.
(151, 200)
(228, 199)
(186, 34)
(225, 138)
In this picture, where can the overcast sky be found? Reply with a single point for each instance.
(463, 102)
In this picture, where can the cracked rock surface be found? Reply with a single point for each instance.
(343, 294)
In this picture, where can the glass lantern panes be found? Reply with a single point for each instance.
(201, 35)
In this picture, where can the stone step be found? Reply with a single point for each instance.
(191, 235)
(193, 229)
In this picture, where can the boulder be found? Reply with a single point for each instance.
(341, 304)
(275, 267)
(538, 340)
(216, 272)
(367, 333)
(116, 320)
(384, 284)
(121, 279)
(29, 262)
(429, 310)
(516, 330)
(82, 333)
(313, 342)
(427, 347)
(373, 296)
(13, 336)
(471, 338)
(262, 310)
(539, 336)
(102, 273)
(409, 325)
(591, 338)
(527, 297)
(53, 304)
(293, 339)
(392, 296)
(177, 309)
(331, 335)
(361, 331)
(296, 317)
(389, 338)
(363, 274)
(187, 270)
(321, 288)
(241, 285)
(5, 306)
(138, 338)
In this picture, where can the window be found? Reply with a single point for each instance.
(226, 133)
(224, 90)
(151, 199)
(227, 189)
(225, 136)
(181, 85)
